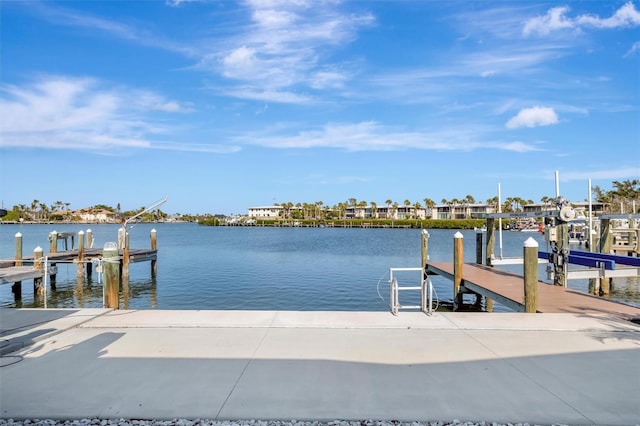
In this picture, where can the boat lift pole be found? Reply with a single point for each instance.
(499, 222)
(148, 209)
(590, 219)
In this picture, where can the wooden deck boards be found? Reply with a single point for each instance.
(10, 274)
(508, 289)
(14, 274)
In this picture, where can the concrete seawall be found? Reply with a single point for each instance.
(536, 368)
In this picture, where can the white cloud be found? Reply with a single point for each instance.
(606, 174)
(556, 19)
(633, 50)
(533, 117)
(626, 16)
(552, 21)
(68, 17)
(82, 113)
(285, 49)
(372, 136)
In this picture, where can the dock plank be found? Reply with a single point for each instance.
(13, 274)
(508, 289)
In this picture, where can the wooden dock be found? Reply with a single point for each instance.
(31, 268)
(507, 288)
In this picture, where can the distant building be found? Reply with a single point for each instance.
(396, 212)
(596, 207)
(268, 212)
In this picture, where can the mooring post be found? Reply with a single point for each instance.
(491, 241)
(488, 253)
(53, 242)
(121, 233)
(89, 238)
(530, 255)
(425, 249)
(16, 288)
(606, 243)
(479, 260)
(561, 259)
(18, 257)
(53, 248)
(38, 289)
(458, 261)
(154, 246)
(80, 267)
(89, 245)
(111, 271)
(125, 257)
(479, 241)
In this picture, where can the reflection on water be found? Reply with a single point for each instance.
(267, 268)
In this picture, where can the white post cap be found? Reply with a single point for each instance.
(458, 235)
(530, 242)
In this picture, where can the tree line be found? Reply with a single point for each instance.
(623, 197)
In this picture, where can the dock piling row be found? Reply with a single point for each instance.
(13, 271)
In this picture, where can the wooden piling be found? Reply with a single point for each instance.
(111, 269)
(606, 243)
(125, 257)
(38, 288)
(53, 248)
(479, 241)
(121, 233)
(425, 249)
(16, 288)
(154, 246)
(80, 267)
(491, 240)
(530, 255)
(561, 262)
(89, 238)
(53, 242)
(489, 251)
(18, 256)
(458, 261)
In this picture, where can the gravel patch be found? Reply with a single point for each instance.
(201, 422)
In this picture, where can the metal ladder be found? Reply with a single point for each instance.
(425, 287)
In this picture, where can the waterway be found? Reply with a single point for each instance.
(248, 268)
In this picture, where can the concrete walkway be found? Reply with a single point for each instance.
(502, 367)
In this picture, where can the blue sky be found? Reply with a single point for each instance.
(225, 105)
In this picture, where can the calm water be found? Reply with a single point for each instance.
(202, 267)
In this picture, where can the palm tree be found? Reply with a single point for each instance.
(453, 203)
(493, 201)
(44, 211)
(429, 204)
(468, 200)
(407, 204)
(417, 206)
(66, 205)
(34, 204)
(388, 203)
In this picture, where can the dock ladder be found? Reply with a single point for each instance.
(425, 287)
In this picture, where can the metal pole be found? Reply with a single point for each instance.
(590, 219)
(499, 222)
